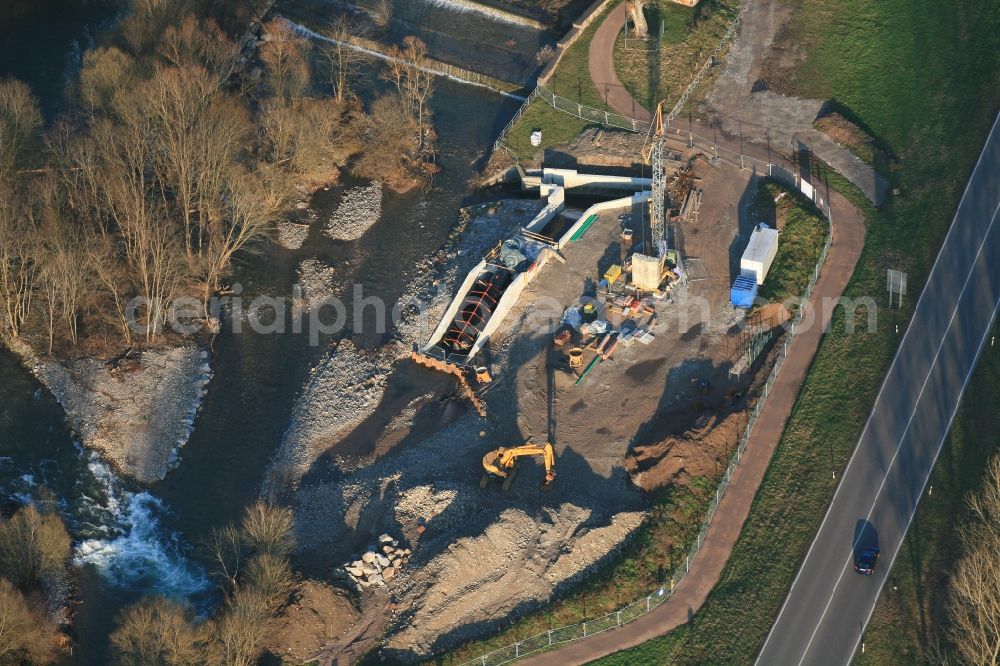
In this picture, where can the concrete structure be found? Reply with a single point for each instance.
(552, 184)
(646, 271)
(760, 252)
(571, 178)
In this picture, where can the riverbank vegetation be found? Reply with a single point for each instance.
(937, 139)
(181, 148)
(34, 586)
(251, 566)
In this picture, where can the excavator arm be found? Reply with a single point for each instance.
(502, 462)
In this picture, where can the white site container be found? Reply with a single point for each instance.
(757, 258)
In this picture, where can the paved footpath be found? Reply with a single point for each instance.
(601, 63)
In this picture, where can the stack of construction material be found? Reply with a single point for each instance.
(380, 563)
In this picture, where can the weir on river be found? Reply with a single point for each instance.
(453, 33)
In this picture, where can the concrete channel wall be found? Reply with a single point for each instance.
(510, 296)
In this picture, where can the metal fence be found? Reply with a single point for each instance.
(646, 604)
(734, 26)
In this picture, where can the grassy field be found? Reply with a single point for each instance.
(803, 233)
(922, 75)
(557, 128)
(572, 81)
(689, 35)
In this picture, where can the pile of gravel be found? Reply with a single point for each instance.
(358, 211)
(291, 235)
(136, 415)
(341, 392)
(316, 280)
(478, 555)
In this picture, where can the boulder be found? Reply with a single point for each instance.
(383, 560)
(388, 550)
(357, 572)
(388, 573)
(385, 538)
(375, 580)
(370, 556)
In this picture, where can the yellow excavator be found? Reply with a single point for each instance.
(502, 463)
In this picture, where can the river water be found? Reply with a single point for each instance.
(129, 540)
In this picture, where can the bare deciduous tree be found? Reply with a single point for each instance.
(225, 548)
(285, 54)
(382, 13)
(25, 633)
(157, 631)
(390, 141)
(20, 121)
(241, 629)
(409, 71)
(65, 277)
(253, 201)
(32, 545)
(268, 528)
(342, 61)
(105, 71)
(197, 41)
(974, 600)
(271, 576)
(17, 266)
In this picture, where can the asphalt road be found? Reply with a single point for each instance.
(829, 605)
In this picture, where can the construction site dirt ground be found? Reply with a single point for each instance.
(480, 556)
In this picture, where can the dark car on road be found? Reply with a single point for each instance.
(864, 561)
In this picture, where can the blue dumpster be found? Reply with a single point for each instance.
(743, 292)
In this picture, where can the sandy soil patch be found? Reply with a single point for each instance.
(316, 614)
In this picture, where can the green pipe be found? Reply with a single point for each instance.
(589, 367)
(583, 228)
